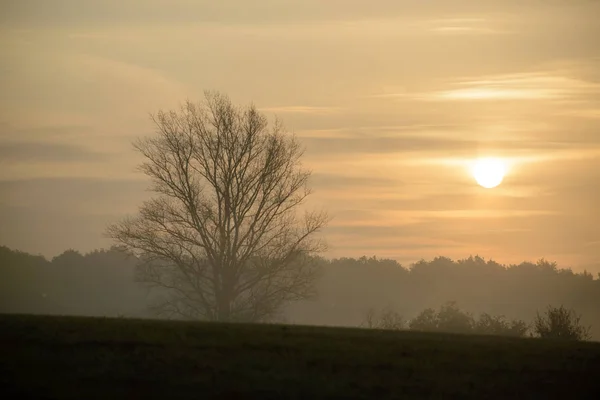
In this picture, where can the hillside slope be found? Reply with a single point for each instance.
(70, 357)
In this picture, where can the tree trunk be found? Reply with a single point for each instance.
(224, 305)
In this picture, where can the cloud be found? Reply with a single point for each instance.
(462, 26)
(50, 232)
(588, 113)
(513, 238)
(99, 12)
(17, 152)
(376, 145)
(522, 86)
(301, 109)
(335, 181)
(43, 133)
(74, 195)
(118, 12)
(367, 131)
(424, 145)
(526, 86)
(128, 82)
(49, 215)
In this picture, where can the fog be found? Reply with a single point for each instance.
(103, 283)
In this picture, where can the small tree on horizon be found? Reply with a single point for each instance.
(449, 318)
(488, 324)
(560, 323)
(387, 319)
(426, 321)
(223, 237)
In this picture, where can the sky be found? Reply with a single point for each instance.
(393, 99)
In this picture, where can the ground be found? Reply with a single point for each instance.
(99, 358)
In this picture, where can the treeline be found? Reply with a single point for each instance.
(350, 287)
(100, 283)
(103, 283)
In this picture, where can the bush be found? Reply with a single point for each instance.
(448, 319)
(557, 323)
(451, 319)
(387, 319)
(498, 325)
(425, 321)
(560, 323)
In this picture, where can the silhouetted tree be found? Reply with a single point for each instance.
(99, 283)
(387, 319)
(560, 323)
(425, 321)
(223, 236)
(23, 282)
(449, 318)
(487, 324)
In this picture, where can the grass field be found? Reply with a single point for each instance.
(95, 358)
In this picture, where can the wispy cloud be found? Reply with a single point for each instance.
(382, 131)
(41, 132)
(123, 12)
(128, 80)
(462, 26)
(444, 148)
(74, 194)
(522, 86)
(337, 181)
(590, 113)
(27, 152)
(301, 109)
(393, 219)
(526, 86)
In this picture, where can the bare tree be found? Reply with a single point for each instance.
(224, 238)
(387, 319)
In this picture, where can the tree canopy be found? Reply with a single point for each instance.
(224, 236)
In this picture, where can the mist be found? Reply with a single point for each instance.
(103, 283)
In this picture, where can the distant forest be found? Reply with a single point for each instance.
(102, 283)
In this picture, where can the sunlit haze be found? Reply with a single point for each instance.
(394, 101)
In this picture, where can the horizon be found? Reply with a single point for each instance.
(393, 100)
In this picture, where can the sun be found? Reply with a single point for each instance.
(489, 172)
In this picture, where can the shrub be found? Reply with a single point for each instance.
(387, 319)
(498, 325)
(452, 319)
(560, 323)
(448, 319)
(425, 321)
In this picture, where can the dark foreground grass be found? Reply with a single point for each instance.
(95, 358)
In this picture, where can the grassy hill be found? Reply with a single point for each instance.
(95, 358)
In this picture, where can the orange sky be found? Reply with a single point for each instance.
(391, 98)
